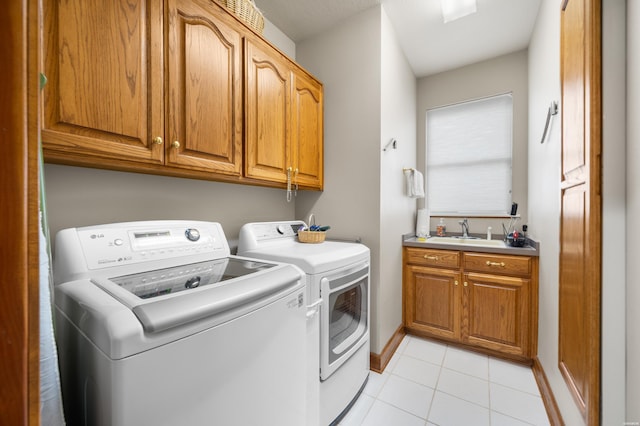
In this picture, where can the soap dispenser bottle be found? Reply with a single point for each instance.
(441, 229)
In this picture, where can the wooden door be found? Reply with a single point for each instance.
(432, 301)
(204, 58)
(580, 222)
(20, 27)
(267, 113)
(104, 97)
(307, 131)
(497, 313)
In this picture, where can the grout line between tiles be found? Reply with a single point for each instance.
(433, 396)
(401, 352)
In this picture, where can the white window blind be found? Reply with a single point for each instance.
(469, 157)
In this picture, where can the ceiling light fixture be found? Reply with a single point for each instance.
(455, 9)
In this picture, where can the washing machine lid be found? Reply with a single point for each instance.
(166, 298)
(121, 324)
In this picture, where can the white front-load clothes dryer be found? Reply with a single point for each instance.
(338, 283)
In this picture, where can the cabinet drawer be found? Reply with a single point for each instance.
(428, 257)
(498, 264)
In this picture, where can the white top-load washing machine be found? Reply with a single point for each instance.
(337, 282)
(157, 324)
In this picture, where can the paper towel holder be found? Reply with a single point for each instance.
(393, 142)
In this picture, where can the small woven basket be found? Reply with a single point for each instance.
(247, 11)
(313, 237)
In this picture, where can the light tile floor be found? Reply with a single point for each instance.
(428, 383)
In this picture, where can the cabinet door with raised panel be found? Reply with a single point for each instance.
(267, 113)
(104, 96)
(497, 313)
(204, 58)
(307, 131)
(432, 301)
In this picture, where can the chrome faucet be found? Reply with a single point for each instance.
(465, 227)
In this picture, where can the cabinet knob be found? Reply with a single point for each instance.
(499, 264)
(456, 282)
(175, 144)
(157, 140)
(466, 284)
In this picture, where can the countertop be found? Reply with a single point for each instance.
(531, 248)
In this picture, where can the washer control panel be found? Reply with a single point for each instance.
(107, 246)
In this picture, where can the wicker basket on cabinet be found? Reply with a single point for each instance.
(247, 11)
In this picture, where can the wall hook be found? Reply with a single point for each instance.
(393, 142)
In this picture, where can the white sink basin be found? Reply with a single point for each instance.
(467, 242)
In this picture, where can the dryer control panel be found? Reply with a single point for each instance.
(255, 234)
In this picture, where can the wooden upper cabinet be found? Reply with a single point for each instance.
(204, 110)
(267, 113)
(307, 131)
(104, 96)
(179, 88)
(284, 120)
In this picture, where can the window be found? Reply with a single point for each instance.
(469, 157)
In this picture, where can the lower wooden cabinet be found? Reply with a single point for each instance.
(497, 313)
(432, 301)
(493, 310)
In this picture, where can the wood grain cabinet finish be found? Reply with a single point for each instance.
(182, 89)
(432, 301)
(268, 112)
(104, 96)
(497, 313)
(483, 301)
(284, 120)
(204, 58)
(431, 257)
(307, 145)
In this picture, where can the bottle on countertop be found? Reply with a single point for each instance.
(441, 229)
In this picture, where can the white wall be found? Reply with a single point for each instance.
(347, 60)
(78, 196)
(544, 201)
(279, 39)
(633, 210)
(368, 91)
(503, 74)
(613, 213)
(397, 211)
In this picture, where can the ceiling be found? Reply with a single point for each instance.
(431, 46)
